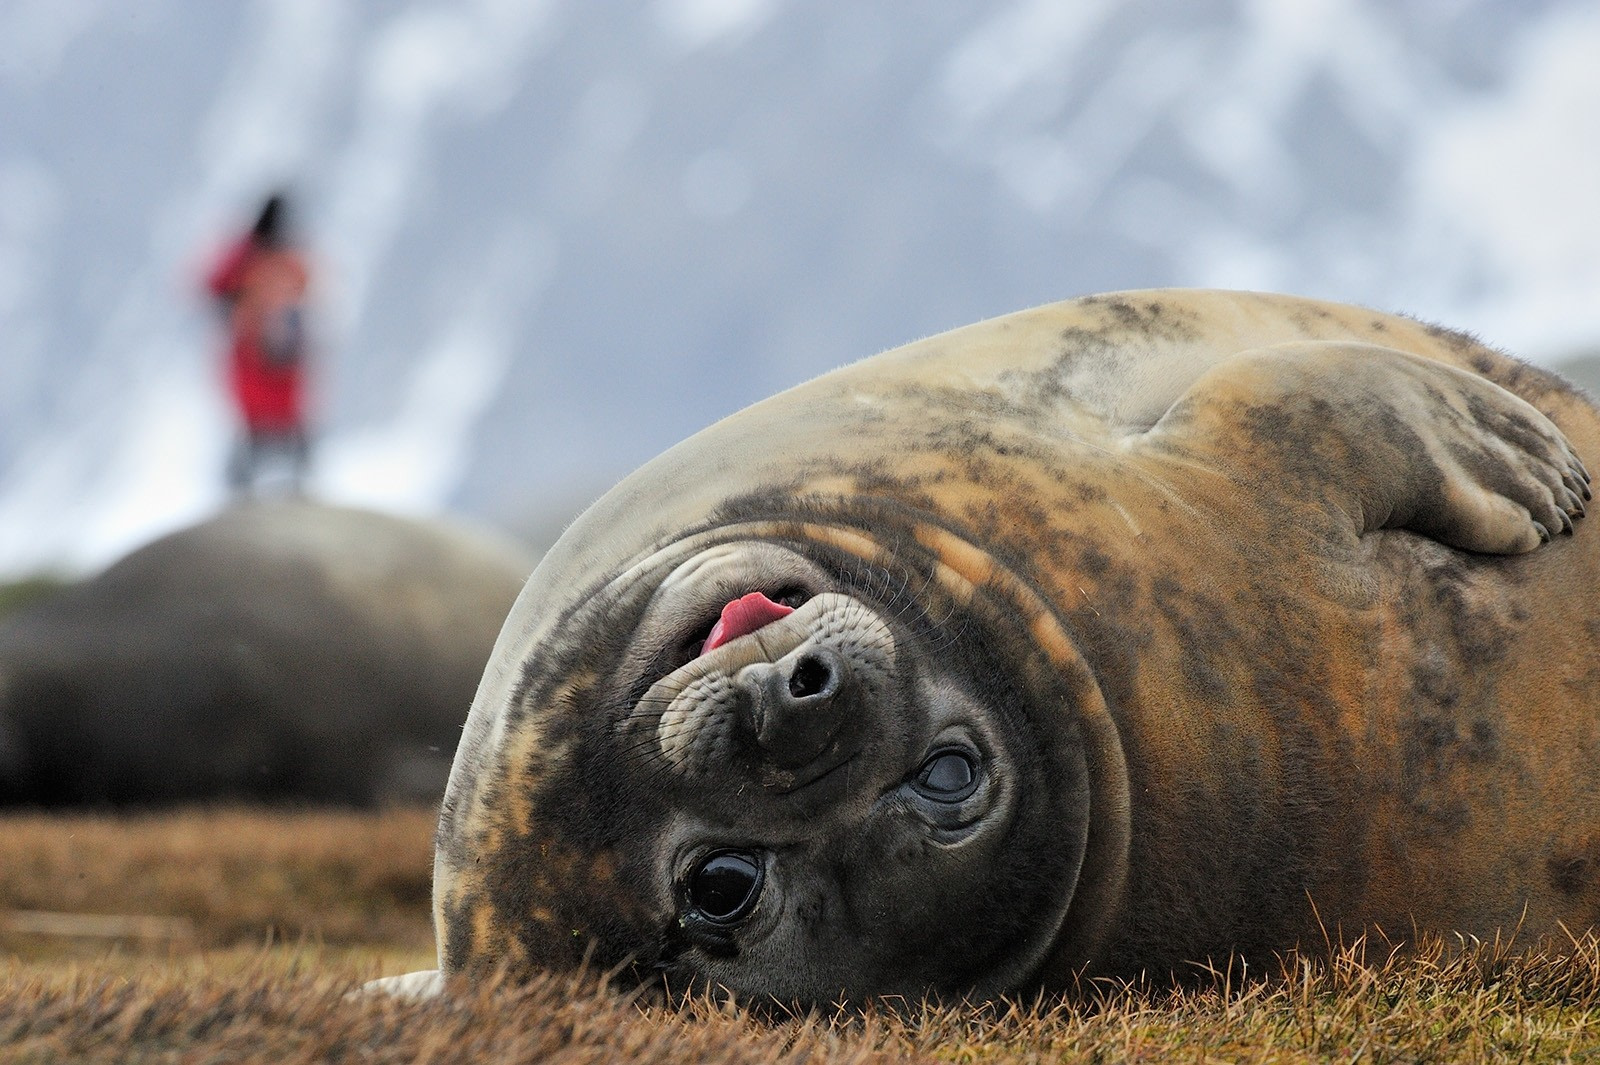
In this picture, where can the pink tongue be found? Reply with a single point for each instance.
(742, 617)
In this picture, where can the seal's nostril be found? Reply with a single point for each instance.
(792, 708)
(812, 676)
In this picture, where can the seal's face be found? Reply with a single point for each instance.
(834, 803)
(786, 785)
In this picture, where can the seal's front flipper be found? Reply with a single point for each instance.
(1391, 440)
(422, 984)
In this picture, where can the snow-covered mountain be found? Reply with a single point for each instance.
(554, 237)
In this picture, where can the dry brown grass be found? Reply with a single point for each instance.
(344, 896)
(231, 875)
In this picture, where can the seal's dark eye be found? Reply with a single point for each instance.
(947, 776)
(724, 887)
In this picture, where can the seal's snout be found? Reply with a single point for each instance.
(794, 704)
(799, 694)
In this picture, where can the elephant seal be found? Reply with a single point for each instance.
(1100, 638)
(284, 651)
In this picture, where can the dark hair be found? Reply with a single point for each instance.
(272, 226)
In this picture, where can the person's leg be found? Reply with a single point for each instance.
(242, 461)
(298, 442)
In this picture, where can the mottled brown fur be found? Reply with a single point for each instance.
(1217, 574)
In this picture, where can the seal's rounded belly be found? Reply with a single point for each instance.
(1103, 637)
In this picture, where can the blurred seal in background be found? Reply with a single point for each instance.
(283, 651)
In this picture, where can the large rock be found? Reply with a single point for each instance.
(282, 651)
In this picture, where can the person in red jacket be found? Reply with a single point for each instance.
(260, 285)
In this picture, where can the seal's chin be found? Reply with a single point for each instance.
(712, 598)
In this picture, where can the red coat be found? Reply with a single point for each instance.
(264, 289)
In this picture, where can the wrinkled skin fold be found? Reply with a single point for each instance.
(1101, 638)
